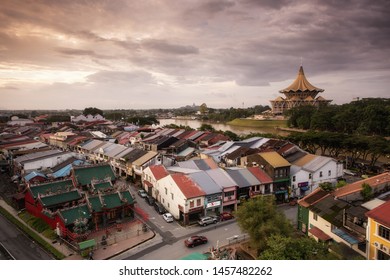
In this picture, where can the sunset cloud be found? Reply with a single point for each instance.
(166, 54)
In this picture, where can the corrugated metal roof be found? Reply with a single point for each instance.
(190, 164)
(317, 163)
(274, 159)
(203, 180)
(36, 156)
(158, 171)
(188, 187)
(91, 144)
(145, 158)
(123, 153)
(186, 152)
(221, 177)
(260, 175)
(242, 178)
(381, 214)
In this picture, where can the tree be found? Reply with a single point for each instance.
(301, 248)
(92, 111)
(203, 109)
(366, 192)
(326, 186)
(260, 218)
(206, 127)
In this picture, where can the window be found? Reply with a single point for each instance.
(382, 255)
(191, 204)
(229, 193)
(320, 174)
(172, 196)
(198, 201)
(329, 173)
(315, 216)
(309, 175)
(293, 178)
(384, 232)
(166, 191)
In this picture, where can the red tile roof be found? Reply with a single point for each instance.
(312, 198)
(381, 214)
(319, 234)
(260, 175)
(374, 182)
(158, 171)
(188, 187)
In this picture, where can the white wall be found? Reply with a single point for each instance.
(47, 162)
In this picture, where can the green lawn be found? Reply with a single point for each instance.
(258, 123)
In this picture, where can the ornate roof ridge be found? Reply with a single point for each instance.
(301, 84)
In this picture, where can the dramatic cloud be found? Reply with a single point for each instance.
(165, 54)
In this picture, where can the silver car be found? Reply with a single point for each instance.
(168, 217)
(204, 221)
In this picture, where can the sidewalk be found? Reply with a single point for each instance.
(101, 253)
(117, 247)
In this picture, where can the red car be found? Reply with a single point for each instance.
(225, 216)
(195, 241)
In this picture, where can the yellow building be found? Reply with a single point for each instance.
(378, 233)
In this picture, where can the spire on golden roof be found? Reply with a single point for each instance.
(301, 84)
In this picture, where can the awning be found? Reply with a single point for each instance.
(87, 244)
(319, 234)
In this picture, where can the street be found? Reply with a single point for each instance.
(18, 244)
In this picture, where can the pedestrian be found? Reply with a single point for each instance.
(90, 255)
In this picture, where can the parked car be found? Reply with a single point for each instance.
(150, 200)
(168, 217)
(204, 221)
(142, 193)
(159, 207)
(195, 241)
(349, 172)
(225, 216)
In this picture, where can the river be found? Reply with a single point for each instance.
(239, 130)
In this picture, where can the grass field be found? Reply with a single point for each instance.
(258, 123)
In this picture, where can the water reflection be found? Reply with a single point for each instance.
(239, 130)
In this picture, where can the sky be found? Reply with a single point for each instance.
(149, 54)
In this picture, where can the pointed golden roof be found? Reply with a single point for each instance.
(301, 84)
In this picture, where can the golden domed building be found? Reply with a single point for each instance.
(299, 93)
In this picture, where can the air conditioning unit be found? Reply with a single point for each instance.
(376, 244)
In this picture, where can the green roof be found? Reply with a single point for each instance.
(84, 175)
(112, 200)
(127, 195)
(102, 186)
(96, 205)
(70, 215)
(56, 199)
(51, 187)
(196, 256)
(87, 244)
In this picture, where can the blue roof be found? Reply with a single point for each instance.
(65, 171)
(344, 235)
(33, 174)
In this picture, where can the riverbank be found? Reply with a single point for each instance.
(259, 123)
(239, 126)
